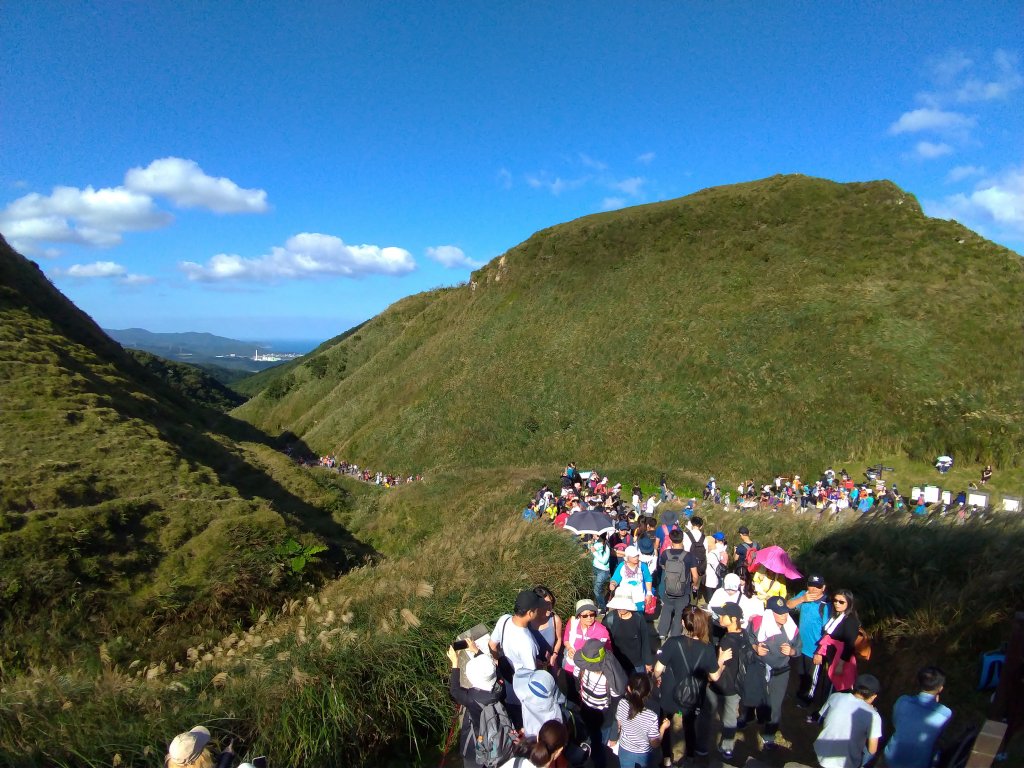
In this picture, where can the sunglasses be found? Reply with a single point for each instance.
(839, 602)
(588, 615)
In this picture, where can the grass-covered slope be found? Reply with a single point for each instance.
(778, 323)
(126, 511)
(193, 382)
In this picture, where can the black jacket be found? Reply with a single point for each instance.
(474, 700)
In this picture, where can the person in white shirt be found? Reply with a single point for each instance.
(513, 647)
(852, 727)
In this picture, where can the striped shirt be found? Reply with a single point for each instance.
(594, 689)
(635, 735)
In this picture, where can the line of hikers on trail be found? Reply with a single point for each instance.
(686, 643)
(384, 479)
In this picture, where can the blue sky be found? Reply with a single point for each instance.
(287, 170)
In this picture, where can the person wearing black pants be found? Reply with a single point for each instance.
(835, 660)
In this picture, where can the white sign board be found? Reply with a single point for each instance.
(914, 493)
(977, 499)
(931, 494)
(947, 497)
(1011, 504)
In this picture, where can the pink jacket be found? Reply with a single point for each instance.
(575, 637)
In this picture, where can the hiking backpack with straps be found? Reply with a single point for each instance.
(493, 736)
(698, 551)
(676, 576)
(689, 692)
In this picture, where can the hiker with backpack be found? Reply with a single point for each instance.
(487, 733)
(685, 665)
(678, 573)
(813, 609)
(775, 639)
(723, 694)
(746, 550)
(602, 684)
(694, 544)
(717, 553)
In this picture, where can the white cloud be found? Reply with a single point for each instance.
(306, 255)
(997, 202)
(588, 162)
(632, 186)
(452, 257)
(505, 178)
(945, 69)
(556, 186)
(962, 172)
(96, 217)
(929, 150)
(136, 280)
(929, 119)
(1004, 80)
(611, 203)
(646, 158)
(96, 269)
(185, 184)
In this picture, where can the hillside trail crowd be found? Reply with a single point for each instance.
(691, 650)
(687, 642)
(383, 479)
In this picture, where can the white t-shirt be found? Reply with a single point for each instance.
(716, 553)
(849, 722)
(518, 646)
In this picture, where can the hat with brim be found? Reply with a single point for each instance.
(631, 551)
(480, 672)
(621, 603)
(585, 605)
(187, 747)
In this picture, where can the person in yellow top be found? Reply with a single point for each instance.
(768, 584)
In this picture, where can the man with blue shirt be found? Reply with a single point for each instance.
(918, 721)
(812, 608)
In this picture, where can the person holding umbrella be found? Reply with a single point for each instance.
(772, 567)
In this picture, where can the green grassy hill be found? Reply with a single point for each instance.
(129, 513)
(197, 384)
(756, 327)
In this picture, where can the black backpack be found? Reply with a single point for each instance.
(700, 554)
(690, 690)
(676, 575)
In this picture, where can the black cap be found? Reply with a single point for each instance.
(729, 609)
(744, 530)
(527, 601)
(816, 581)
(868, 683)
(776, 605)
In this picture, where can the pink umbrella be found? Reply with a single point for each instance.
(776, 560)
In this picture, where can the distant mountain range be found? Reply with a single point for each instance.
(205, 349)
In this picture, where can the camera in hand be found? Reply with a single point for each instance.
(460, 645)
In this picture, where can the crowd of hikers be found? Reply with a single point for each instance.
(686, 642)
(385, 479)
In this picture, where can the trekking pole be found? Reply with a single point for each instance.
(451, 736)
